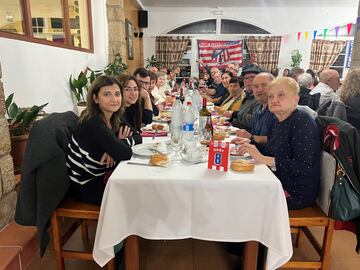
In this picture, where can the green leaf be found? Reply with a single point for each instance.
(13, 110)
(9, 100)
(19, 117)
(28, 117)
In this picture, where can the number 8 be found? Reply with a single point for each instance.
(217, 159)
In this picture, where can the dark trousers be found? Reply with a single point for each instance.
(91, 192)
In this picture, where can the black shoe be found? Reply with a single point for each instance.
(120, 259)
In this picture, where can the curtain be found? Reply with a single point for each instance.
(264, 51)
(324, 53)
(170, 50)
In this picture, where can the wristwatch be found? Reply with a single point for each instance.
(252, 138)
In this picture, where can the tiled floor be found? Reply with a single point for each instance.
(201, 255)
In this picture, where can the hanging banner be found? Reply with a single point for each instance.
(315, 32)
(349, 53)
(337, 30)
(325, 32)
(349, 26)
(306, 35)
(219, 53)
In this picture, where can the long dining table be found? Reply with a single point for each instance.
(185, 200)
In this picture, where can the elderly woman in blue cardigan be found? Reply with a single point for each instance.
(293, 146)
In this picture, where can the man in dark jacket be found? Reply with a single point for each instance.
(44, 179)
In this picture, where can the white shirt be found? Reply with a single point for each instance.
(158, 95)
(325, 91)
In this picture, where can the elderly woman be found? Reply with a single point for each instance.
(293, 146)
(350, 95)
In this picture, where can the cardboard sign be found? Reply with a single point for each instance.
(218, 158)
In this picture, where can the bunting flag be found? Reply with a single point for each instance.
(299, 34)
(349, 26)
(218, 53)
(325, 32)
(337, 30)
(306, 35)
(315, 32)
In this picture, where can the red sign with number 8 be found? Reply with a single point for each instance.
(218, 156)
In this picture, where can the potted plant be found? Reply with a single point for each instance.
(79, 88)
(296, 58)
(20, 121)
(153, 62)
(116, 67)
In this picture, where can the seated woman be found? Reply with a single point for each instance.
(293, 146)
(350, 95)
(131, 106)
(99, 141)
(233, 102)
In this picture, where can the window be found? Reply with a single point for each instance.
(61, 23)
(339, 63)
(202, 27)
(236, 27)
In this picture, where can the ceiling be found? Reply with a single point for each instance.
(246, 3)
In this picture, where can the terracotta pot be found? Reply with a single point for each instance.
(18, 145)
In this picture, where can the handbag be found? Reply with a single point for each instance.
(345, 200)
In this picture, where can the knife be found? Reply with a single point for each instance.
(144, 164)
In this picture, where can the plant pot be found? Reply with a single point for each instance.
(18, 145)
(80, 107)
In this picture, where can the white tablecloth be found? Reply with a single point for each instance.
(190, 201)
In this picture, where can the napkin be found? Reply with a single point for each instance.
(151, 134)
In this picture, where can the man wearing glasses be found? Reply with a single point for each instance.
(143, 78)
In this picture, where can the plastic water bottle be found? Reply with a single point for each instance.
(176, 118)
(196, 102)
(188, 126)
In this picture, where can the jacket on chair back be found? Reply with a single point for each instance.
(44, 179)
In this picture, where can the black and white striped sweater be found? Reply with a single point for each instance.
(89, 141)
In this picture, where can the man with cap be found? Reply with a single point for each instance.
(245, 116)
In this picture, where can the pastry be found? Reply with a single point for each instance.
(240, 165)
(159, 159)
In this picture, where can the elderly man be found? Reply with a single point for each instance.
(329, 83)
(245, 116)
(219, 92)
(233, 68)
(263, 118)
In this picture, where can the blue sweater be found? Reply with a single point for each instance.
(295, 144)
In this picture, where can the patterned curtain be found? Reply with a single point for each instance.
(170, 50)
(264, 51)
(324, 53)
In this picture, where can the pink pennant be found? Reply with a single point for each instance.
(349, 26)
(299, 34)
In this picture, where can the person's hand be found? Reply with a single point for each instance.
(252, 150)
(124, 132)
(240, 141)
(227, 114)
(161, 106)
(106, 159)
(242, 133)
(144, 94)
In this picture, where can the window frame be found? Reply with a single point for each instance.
(28, 33)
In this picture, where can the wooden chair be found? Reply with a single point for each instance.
(300, 220)
(81, 212)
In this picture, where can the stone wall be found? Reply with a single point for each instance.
(7, 179)
(117, 12)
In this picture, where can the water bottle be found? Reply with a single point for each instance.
(176, 122)
(188, 126)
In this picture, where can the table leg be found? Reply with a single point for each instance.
(132, 253)
(250, 255)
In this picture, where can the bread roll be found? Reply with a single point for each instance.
(218, 137)
(157, 126)
(159, 159)
(240, 165)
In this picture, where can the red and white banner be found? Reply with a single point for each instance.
(219, 53)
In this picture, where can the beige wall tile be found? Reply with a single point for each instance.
(7, 173)
(7, 208)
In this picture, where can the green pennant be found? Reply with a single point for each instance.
(325, 32)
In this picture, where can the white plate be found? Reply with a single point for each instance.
(148, 149)
(148, 128)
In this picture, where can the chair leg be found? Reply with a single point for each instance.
(132, 253)
(84, 231)
(299, 237)
(326, 248)
(56, 231)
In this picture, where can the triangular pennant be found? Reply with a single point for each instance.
(325, 32)
(349, 26)
(306, 35)
(299, 35)
(315, 32)
(337, 30)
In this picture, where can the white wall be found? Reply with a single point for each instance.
(276, 20)
(38, 73)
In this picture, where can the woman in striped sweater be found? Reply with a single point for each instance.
(99, 141)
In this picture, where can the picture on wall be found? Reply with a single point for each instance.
(129, 39)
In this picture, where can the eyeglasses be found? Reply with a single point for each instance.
(249, 77)
(142, 82)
